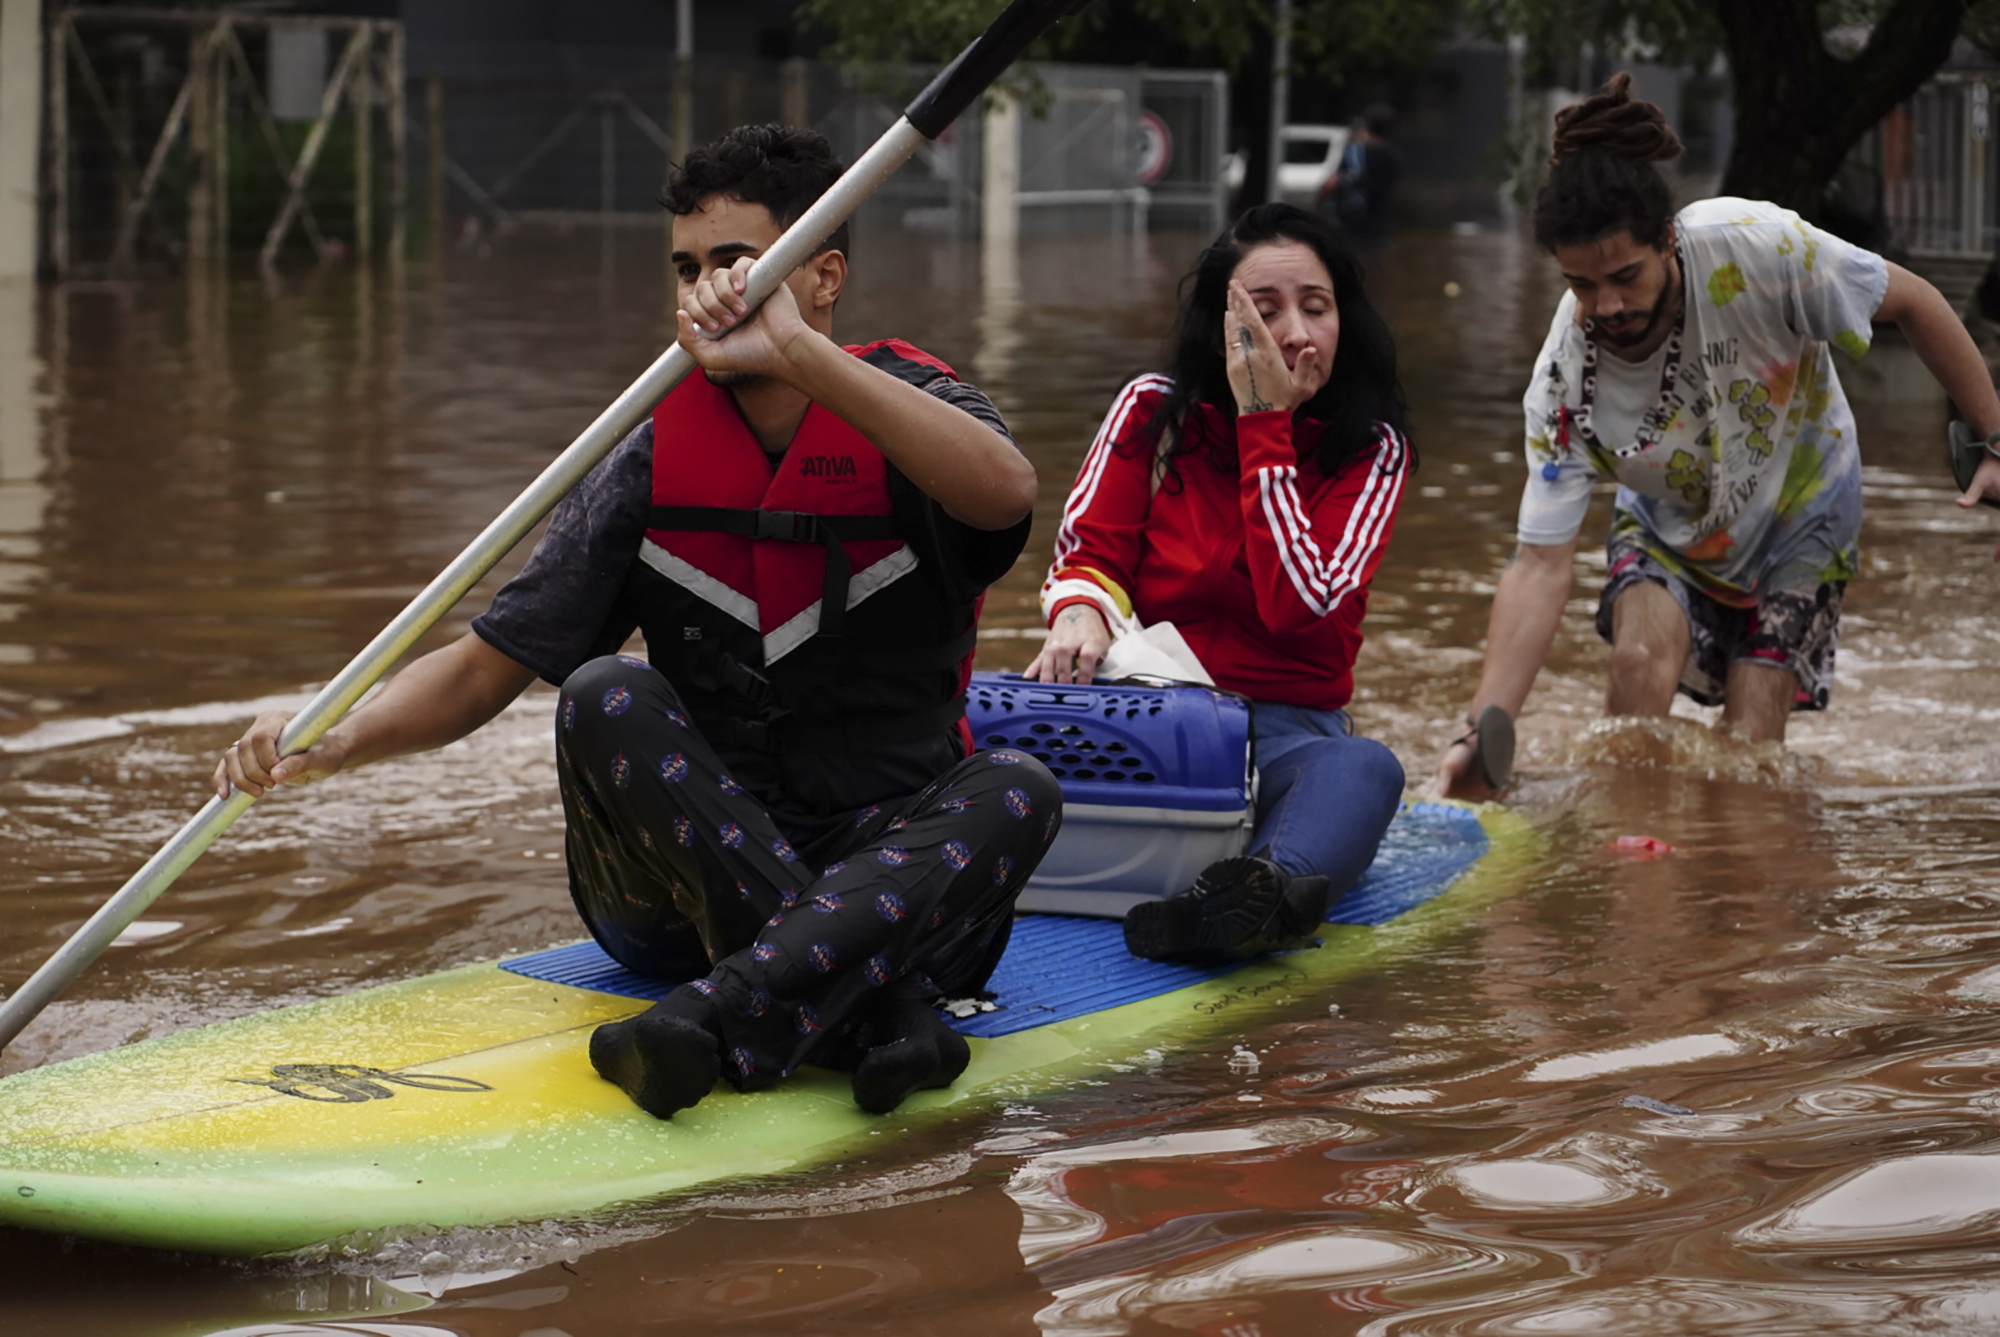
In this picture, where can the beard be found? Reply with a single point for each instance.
(1631, 336)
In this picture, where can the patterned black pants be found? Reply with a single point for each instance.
(681, 873)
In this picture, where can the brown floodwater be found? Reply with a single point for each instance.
(212, 493)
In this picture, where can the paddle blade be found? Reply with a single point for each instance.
(984, 61)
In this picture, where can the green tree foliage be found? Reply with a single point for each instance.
(1336, 38)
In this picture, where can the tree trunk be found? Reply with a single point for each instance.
(1800, 108)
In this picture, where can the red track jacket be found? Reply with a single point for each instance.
(1265, 571)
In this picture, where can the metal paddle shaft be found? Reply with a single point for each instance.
(934, 109)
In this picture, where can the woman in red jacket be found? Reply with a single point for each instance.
(1247, 498)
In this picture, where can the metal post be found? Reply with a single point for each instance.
(1281, 91)
(607, 162)
(682, 125)
(434, 158)
(399, 145)
(218, 137)
(361, 96)
(794, 109)
(20, 136)
(201, 145)
(59, 159)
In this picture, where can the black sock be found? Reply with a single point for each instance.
(666, 1058)
(910, 1049)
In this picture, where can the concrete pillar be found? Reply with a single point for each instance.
(20, 136)
(1000, 176)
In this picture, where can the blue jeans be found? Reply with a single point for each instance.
(1324, 797)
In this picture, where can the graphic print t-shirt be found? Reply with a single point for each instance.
(1756, 482)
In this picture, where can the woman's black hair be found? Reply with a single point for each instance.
(1601, 176)
(1361, 391)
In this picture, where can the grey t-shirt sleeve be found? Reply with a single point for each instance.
(565, 609)
(973, 558)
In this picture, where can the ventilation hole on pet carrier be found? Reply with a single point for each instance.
(1040, 727)
(1114, 747)
(1071, 759)
(1086, 775)
(1026, 742)
(1044, 757)
(1100, 761)
(1153, 709)
(1058, 772)
(996, 740)
(1072, 729)
(1144, 777)
(1114, 775)
(1130, 763)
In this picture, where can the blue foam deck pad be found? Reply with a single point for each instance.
(1058, 967)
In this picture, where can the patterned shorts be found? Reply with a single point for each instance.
(1795, 629)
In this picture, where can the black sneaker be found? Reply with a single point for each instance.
(1238, 908)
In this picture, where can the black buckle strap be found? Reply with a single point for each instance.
(790, 527)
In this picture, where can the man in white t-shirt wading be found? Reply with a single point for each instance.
(1691, 359)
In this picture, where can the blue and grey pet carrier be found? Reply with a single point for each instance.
(1157, 783)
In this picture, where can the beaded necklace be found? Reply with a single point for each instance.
(1653, 426)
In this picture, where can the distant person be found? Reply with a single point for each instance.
(778, 810)
(1362, 189)
(1691, 361)
(1246, 496)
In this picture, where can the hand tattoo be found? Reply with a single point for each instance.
(1257, 403)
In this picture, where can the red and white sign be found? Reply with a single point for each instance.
(1156, 148)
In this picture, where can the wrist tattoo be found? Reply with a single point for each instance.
(1256, 403)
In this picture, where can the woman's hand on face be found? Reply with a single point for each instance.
(1075, 647)
(1257, 372)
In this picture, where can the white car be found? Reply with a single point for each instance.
(1311, 153)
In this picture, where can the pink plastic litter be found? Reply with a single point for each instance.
(1641, 847)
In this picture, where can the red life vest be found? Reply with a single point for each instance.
(785, 552)
(770, 547)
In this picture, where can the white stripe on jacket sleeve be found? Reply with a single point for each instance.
(1323, 582)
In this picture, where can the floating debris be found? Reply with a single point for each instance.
(1652, 1106)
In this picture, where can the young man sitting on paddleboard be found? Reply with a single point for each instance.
(780, 805)
(1691, 361)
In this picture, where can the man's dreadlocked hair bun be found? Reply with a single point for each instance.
(1601, 179)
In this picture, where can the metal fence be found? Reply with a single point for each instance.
(180, 135)
(1936, 156)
